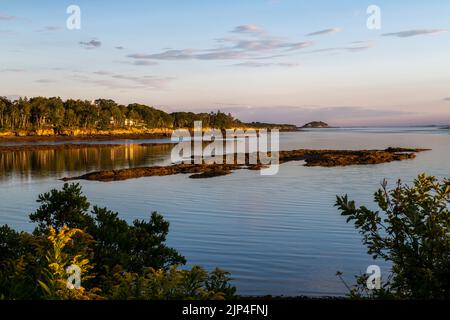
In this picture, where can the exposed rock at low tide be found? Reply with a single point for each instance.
(323, 158)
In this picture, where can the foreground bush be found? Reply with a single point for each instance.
(412, 231)
(115, 260)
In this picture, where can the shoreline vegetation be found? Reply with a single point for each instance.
(312, 158)
(116, 260)
(42, 118)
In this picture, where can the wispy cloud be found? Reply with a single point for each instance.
(119, 48)
(189, 54)
(144, 63)
(268, 44)
(122, 81)
(447, 99)
(249, 29)
(413, 33)
(358, 42)
(185, 54)
(226, 54)
(262, 46)
(148, 82)
(12, 70)
(45, 81)
(53, 28)
(102, 73)
(5, 17)
(324, 32)
(251, 64)
(359, 48)
(91, 44)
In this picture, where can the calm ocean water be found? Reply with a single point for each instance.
(276, 234)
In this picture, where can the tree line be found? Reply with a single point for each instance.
(105, 114)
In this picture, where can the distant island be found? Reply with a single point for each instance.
(41, 117)
(316, 124)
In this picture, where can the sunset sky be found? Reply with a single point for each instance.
(285, 61)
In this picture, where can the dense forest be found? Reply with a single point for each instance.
(54, 113)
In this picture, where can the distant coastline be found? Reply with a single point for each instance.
(46, 119)
(67, 135)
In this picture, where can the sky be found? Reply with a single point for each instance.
(285, 61)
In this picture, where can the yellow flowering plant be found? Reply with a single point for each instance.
(57, 283)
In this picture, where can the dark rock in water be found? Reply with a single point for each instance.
(316, 124)
(312, 158)
(210, 174)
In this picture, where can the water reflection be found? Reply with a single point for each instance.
(40, 163)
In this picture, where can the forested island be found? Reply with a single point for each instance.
(41, 116)
(316, 124)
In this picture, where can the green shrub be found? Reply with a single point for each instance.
(412, 232)
(117, 260)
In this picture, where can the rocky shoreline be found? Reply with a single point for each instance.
(312, 158)
(50, 135)
(94, 137)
